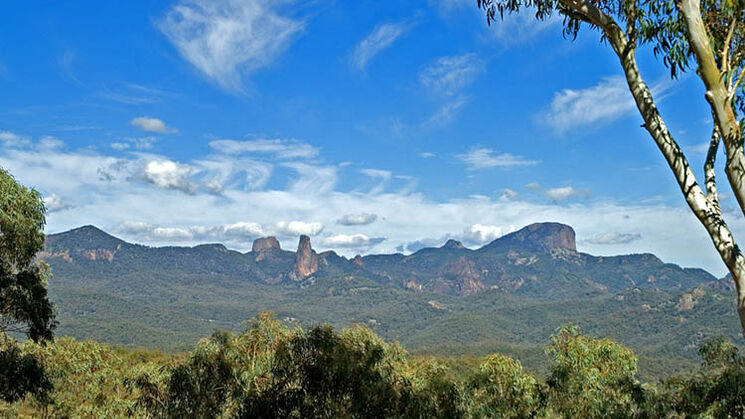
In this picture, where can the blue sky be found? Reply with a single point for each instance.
(372, 126)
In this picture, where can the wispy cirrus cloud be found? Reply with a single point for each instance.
(382, 37)
(602, 103)
(449, 75)
(282, 148)
(480, 158)
(229, 39)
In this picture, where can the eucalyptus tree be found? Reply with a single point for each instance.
(706, 35)
(24, 306)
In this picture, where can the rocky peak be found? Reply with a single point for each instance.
(541, 235)
(306, 260)
(264, 244)
(358, 261)
(452, 244)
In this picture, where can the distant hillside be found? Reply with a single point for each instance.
(511, 293)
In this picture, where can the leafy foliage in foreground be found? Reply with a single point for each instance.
(24, 306)
(271, 370)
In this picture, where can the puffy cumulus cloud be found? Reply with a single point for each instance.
(227, 39)
(282, 148)
(54, 203)
(481, 233)
(172, 233)
(135, 227)
(382, 37)
(485, 158)
(214, 186)
(449, 75)
(351, 241)
(150, 124)
(614, 238)
(244, 229)
(228, 232)
(357, 219)
(167, 174)
(296, 228)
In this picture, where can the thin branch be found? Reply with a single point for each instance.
(725, 50)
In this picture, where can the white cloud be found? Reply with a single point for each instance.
(357, 219)
(427, 155)
(134, 227)
(220, 172)
(310, 178)
(282, 148)
(671, 232)
(377, 173)
(508, 194)
(139, 143)
(214, 186)
(446, 113)
(351, 241)
(244, 229)
(150, 124)
(10, 139)
(564, 193)
(449, 75)
(228, 39)
(49, 143)
(614, 238)
(54, 203)
(605, 102)
(167, 174)
(379, 39)
(384, 176)
(485, 158)
(296, 228)
(480, 233)
(519, 28)
(172, 233)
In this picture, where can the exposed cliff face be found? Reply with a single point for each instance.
(546, 236)
(306, 260)
(265, 243)
(463, 276)
(264, 246)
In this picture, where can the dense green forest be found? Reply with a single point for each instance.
(271, 370)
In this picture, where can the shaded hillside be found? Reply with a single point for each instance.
(539, 261)
(511, 293)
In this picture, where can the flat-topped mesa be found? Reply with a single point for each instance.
(306, 260)
(265, 243)
(545, 235)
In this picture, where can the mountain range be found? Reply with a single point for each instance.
(508, 295)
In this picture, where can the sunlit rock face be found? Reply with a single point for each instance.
(265, 243)
(306, 260)
(264, 246)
